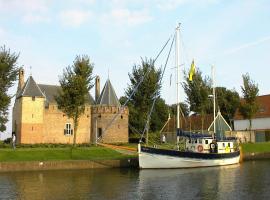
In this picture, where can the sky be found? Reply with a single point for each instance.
(232, 35)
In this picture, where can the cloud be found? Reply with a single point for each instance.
(35, 18)
(24, 6)
(29, 11)
(247, 45)
(167, 5)
(75, 18)
(127, 17)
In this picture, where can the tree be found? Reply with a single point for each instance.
(141, 101)
(8, 75)
(159, 115)
(183, 109)
(249, 107)
(75, 82)
(197, 92)
(227, 101)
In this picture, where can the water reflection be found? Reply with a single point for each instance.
(247, 181)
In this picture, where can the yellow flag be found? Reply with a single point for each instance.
(191, 71)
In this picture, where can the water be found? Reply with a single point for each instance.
(250, 180)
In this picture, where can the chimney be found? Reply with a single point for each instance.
(97, 88)
(21, 78)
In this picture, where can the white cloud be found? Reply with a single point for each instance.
(24, 6)
(75, 18)
(35, 18)
(2, 31)
(127, 17)
(167, 5)
(247, 45)
(29, 11)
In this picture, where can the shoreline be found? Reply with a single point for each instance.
(93, 164)
(67, 164)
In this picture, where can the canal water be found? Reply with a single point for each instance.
(250, 180)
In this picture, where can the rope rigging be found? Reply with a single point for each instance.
(156, 92)
(134, 90)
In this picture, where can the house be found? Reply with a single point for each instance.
(36, 117)
(260, 123)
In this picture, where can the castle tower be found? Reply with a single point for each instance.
(109, 120)
(28, 111)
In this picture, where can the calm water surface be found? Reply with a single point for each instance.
(250, 180)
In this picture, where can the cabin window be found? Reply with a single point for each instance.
(229, 144)
(68, 130)
(99, 132)
(196, 141)
(223, 144)
(206, 141)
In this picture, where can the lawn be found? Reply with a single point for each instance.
(43, 154)
(256, 147)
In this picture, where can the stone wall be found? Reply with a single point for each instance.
(102, 117)
(17, 119)
(55, 123)
(32, 118)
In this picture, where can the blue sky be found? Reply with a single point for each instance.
(233, 35)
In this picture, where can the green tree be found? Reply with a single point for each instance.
(227, 101)
(197, 92)
(8, 75)
(75, 82)
(141, 101)
(249, 107)
(159, 115)
(184, 109)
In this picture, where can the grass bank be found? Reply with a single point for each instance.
(262, 147)
(54, 154)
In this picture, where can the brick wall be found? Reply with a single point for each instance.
(101, 118)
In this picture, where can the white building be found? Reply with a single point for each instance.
(260, 122)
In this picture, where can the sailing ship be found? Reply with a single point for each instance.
(201, 150)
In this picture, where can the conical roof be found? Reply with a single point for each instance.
(30, 89)
(108, 96)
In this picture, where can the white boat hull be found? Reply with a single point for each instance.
(155, 161)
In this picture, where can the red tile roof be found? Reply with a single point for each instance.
(264, 108)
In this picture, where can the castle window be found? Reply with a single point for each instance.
(99, 132)
(68, 130)
(33, 98)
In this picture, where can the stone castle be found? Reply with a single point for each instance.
(37, 119)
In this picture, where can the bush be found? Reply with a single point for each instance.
(7, 141)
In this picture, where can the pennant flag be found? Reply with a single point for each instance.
(191, 71)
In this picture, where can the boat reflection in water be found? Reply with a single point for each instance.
(225, 182)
